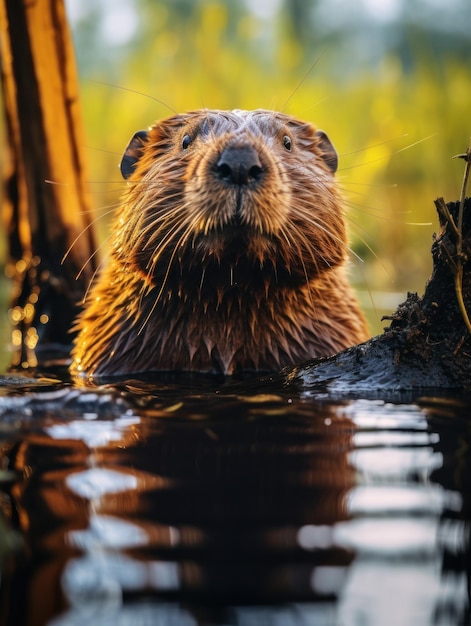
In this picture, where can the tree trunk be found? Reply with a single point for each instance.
(45, 204)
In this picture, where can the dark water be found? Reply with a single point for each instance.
(197, 502)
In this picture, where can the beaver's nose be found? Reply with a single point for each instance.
(239, 165)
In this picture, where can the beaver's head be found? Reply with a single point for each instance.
(236, 195)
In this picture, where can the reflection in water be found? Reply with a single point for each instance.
(163, 505)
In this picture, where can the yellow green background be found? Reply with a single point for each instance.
(390, 82)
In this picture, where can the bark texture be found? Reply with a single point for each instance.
(45, 204)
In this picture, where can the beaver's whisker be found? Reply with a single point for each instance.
(82, 233)
(92, 256)
(169, 227)
(318, 227)
(150, 202)
(300, 257)
(302, 81)
(159, 232)
(153, 224)
(377, 214)
(162, 287)
(314, 252)
(203, 274)
(301, 239)
(153, 210)
(91, 281)
(139, 93)
(148, 285)
(330, 234)
(357, 229)
(170, 231)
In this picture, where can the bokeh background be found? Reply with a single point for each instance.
(388, 80)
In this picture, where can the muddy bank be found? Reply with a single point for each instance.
(427, 343)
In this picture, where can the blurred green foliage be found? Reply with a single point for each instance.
(393, 92)
(392, 89)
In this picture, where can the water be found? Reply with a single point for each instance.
(185, 502)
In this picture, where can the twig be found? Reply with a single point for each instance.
(458, 270)
(466, 157)
(445, 211)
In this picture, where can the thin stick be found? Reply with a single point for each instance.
(459, 243)
(444, 210)
(459, 296)
(467, 157)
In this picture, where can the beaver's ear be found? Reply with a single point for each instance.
(133, 153)
(329, 154)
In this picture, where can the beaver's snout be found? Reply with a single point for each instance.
(239, 165)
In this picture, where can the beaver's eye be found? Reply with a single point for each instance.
(287, 142)
(186, 142)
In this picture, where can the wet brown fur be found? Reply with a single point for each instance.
(215, 277)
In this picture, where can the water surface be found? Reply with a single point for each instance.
(186, 502)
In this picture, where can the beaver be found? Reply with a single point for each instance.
(228, 253)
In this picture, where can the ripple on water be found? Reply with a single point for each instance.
(145, 503)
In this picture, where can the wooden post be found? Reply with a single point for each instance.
(45, 205)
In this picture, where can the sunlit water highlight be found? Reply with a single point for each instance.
(203, 503)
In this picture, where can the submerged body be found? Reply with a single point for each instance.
(228, 252)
